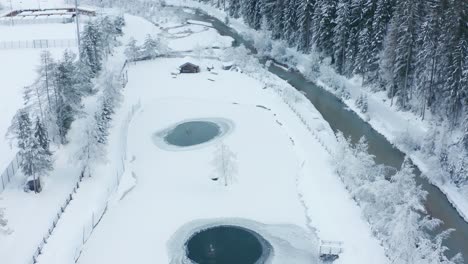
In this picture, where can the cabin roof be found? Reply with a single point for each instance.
(188, 64)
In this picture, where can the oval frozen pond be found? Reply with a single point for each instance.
(192, 133)
(227, 245)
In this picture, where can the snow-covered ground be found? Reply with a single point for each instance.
(174, 187)
(37, 31)
(286, 189)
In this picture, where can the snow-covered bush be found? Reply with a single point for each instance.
(92, 150)
(153, 47)
(343, 93)
(132, 51)
(393, 205)
(406, 139)
(361, 103)
(262, 43)
(310, 68)
(3, 222)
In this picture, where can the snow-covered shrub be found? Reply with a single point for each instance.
(329, 77)
(262, 43)
(392, 204)
(407, 140)
(343, 93)
(310, 68)
(241, 55)
(362, 103)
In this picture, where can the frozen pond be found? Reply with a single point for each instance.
(192, 133)
(226, 245)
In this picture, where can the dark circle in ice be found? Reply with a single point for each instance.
(192, 133)
(225, 245)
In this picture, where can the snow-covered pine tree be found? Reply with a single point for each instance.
(380, 23)
(341, 33)
(324, 25)
(92, 149)
(278, 20)
(45, 83)
(43, 158)
(429, 54)
(365, 37)
(235, 8)
(251, 12)
(305, 13)
(110, 29)
(456, 81)
(152, 47)
(69, 97)
(119, 24)
(91, 42)
(290, 21)
(409, 241)
(404, 27)
(28, 146)
(132, 51)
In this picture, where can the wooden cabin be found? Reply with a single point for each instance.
(189, 68)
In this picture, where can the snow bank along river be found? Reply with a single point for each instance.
(341, 119)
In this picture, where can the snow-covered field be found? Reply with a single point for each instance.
(285, 190)
(174, 188)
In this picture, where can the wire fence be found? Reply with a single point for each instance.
(38, 44)
(9, 172)
(99, 212)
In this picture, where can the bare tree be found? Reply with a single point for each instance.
(225, 164)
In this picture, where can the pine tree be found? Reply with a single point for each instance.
(380, 23)
(278, 20)
(363, 54)
(234, 8)
(132, 50)
(404, 28)
(91, 53)
(251, 12)
(456, 84)
(152, 48)
(290, 22)
(324, 25)
(305, 14)
(43, 157)
(341, 33)
(69, 97)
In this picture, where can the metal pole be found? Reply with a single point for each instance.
(77, 13)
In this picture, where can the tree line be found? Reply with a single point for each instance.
(416, 51)
(54, 101)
